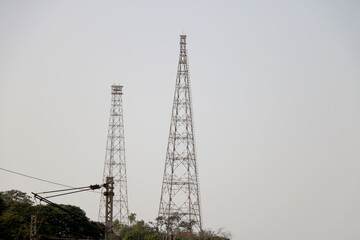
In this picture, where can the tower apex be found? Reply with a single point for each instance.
(182, 39)
(116, 89)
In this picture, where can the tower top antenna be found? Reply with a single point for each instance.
(116, 89)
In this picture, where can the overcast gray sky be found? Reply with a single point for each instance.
(276, 96)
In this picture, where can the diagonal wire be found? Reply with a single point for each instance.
(63, 190)
(39, 179)
(62, 194)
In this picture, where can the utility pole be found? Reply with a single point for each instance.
(115, 164)
(109, 194)
(180, 194)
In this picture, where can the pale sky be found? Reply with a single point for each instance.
(276, 97)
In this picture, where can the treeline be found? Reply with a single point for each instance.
(177, 229)
(16, 209)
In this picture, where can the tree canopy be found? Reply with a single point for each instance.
(16, 209)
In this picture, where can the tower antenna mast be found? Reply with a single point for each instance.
(115, 164)
(180, 194)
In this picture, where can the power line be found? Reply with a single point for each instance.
(39, 179)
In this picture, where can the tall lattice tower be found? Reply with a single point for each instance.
(115, 164)
(180, 194)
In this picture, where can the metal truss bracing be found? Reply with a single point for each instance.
(180, 194)
(109, 197)
(115, 164)
(33, 230)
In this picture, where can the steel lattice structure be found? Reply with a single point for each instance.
(180, 194)
(115, 164)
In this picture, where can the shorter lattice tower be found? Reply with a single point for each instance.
(115, 164)
(180, 194)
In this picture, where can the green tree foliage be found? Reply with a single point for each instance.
(132, 218)
(56, 223)
(16, 209)
(139, 230)
(177, 229)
